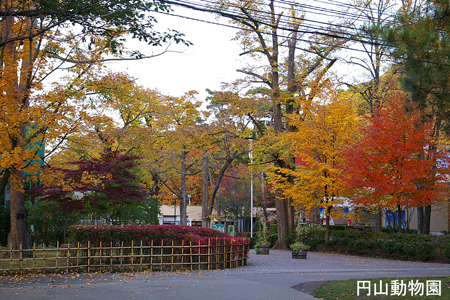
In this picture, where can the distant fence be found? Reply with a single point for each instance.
(214, 254)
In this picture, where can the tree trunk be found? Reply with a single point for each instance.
(205, 194)
(327, 223)
(316, 215)
(427, 220)
(420, 220)
(377, 221)
(18, 236)
(399, 209)
(282, 220)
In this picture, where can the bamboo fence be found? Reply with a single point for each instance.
(164, 256)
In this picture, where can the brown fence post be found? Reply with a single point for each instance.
(182, 253)
(101, 257)
(171, 264)
(190, 253)
(162, 250)
(140, 261)
(132, 255)
(33, 258)
(151, 256)
(21, 259)
(209, 254)
(43, 257)
(88, 256)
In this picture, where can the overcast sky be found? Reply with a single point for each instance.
(212, 58)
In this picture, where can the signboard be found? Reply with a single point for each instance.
(220, 227)
(230, 230)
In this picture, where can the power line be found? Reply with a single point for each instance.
(265, 33)
(306, 29)
(267, 22)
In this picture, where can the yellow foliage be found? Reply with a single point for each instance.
(326, 126)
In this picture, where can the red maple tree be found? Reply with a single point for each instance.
(397, 163)
(105, 181)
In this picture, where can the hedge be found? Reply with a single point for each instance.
(382, 244)
(107, 234)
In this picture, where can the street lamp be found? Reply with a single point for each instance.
(189, 203)
(175, 208)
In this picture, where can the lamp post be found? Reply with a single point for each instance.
(175, 209)
(189, 203)
(251, 190)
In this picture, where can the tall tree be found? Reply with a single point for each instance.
(420, 44)
(73, 32)
(261, 37)
(374, 15)
(394, 163)
(324, 130)
(226, 138)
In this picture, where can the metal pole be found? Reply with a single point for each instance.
(251, 191)
(174, 209)
(251, 205)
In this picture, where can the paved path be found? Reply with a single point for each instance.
(266, 277)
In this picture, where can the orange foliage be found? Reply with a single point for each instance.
(397, 162)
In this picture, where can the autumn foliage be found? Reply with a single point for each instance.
(168, 234)
(397, 162)
(323, 132)
(102, 182)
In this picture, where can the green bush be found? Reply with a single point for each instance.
(272, 239)
(343, 243)
(331, 244)
(273, 228)
(386, 230)
(373, 245)
(50, 223)
(5, 225)
(338, 227)
(290, 239)
(409, 249)
(447, 252)
(391, 247)
(316, 234)
(257, 226)
(357, 247)
(314, 243)
(424, 251)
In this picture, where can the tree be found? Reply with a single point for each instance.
(226, 136)
(39, 37)
(49, 223)
(325, 128)
(178, 147)
(420, 44)
(374, 15)
(235, 197)
(261, 38)
(396, 162)
(105, 187)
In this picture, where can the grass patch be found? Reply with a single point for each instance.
(347, 289)
(43, 258)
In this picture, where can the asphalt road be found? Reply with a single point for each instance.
(274, 276)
